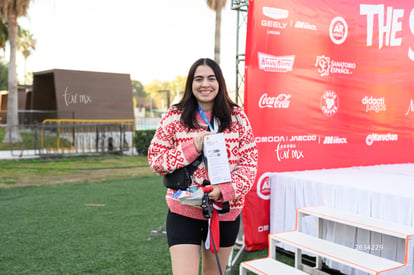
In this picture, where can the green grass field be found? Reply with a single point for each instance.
(94, 227)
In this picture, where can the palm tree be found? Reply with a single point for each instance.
(25, 44)
(217, 6)
(4, 36)
(10, 10)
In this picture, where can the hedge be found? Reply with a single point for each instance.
(142, 141)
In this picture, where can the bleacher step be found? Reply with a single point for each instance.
(268, 266)
(338, 253)
(359, 221)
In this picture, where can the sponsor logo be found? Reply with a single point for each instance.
(327, 66)
(334, 140)
(273, 32)
(303, 138)
(274, 27)
(287, 148)
(275, 13)
(338, 30)
(410, 108)
(374, 104)
(371, 138)
(305, 26)
(273, 24)
(288, 152)
(282, 139)
(263, 187)
(282, 101)
(329, 103)
(269, 139)
(275, 64)
(263, 228)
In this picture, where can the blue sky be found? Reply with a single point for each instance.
(147, 39)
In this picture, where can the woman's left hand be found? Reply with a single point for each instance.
(215, 195)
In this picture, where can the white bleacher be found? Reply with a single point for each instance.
(359, 259)
(268, 266)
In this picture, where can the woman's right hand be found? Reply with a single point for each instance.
(198, 141)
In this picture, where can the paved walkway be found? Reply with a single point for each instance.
(31, 154)
(17, 154)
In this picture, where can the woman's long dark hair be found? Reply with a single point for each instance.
(223, 104)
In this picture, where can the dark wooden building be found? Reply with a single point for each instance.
(82, 94)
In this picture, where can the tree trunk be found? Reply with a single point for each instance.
(25, 70)
(217, 34)
(12, 130)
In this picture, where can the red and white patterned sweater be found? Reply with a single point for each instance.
(172, 147)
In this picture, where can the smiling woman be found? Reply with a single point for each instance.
(205, 109)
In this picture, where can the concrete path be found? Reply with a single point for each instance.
(31, 154)
(17, 154)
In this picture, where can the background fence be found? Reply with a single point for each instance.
(58, 137)
(71, 136)
(44, 134)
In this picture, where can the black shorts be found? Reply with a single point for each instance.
(185, 230)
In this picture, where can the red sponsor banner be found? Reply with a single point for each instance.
(328, 84)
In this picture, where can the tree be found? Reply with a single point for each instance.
(153, 90)
(3, 76)
(156, 91)
(138, 93)
(11, 10)
(4, 35)
(217, 6)
(25, 44)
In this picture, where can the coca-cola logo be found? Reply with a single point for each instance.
(282, 101)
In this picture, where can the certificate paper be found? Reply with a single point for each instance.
(215, 153)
